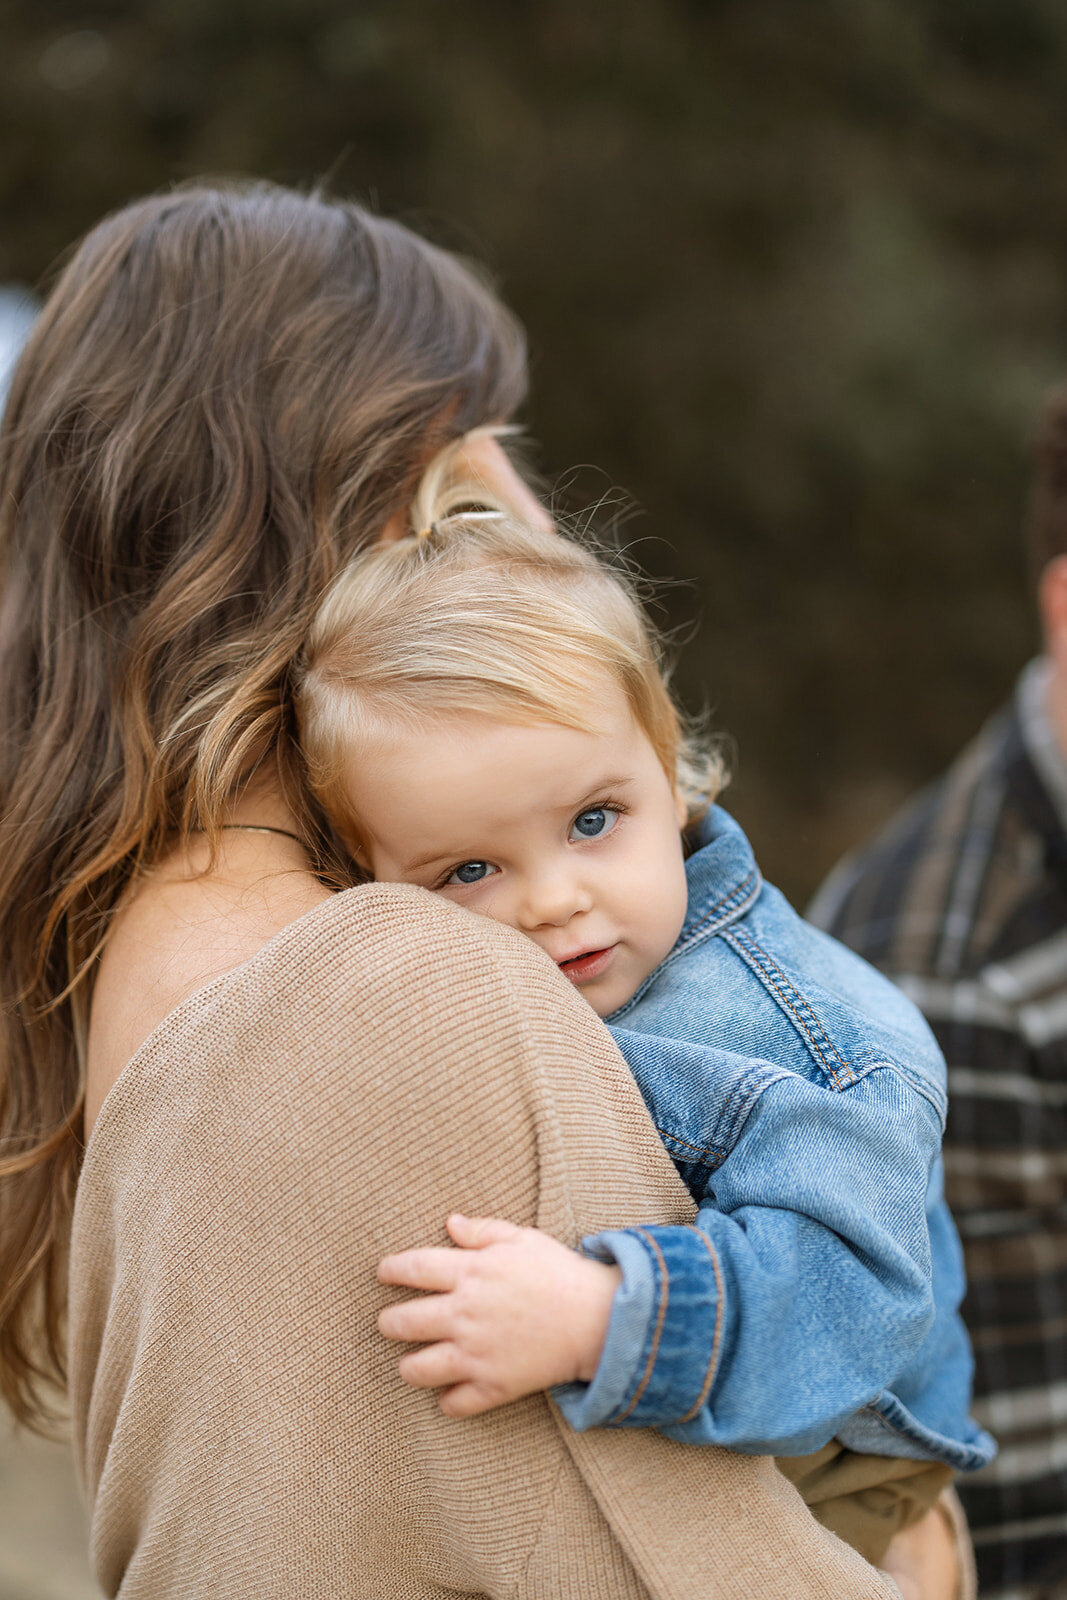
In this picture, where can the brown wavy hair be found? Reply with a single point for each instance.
(230, 389)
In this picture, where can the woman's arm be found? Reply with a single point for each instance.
(239, 1421)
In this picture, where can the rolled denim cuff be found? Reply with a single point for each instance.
(665, 1332)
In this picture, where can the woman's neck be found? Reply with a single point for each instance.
(191, 919)
(261, 804)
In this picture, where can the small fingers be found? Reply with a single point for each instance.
(431, 1268)
(433, 1367)
(468, 1400)
(474, 1233)
(417, 1321)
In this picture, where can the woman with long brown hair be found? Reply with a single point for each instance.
(251, 1085)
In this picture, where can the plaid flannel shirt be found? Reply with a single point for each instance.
(963, 902)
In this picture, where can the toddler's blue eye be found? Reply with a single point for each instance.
(593, 824)
(472, 872)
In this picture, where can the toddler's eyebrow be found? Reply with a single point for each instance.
(438, 858)
(600, 791)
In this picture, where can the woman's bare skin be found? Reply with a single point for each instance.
(184, 927)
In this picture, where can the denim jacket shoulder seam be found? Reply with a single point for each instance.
(792, 1002)
(849, 1070)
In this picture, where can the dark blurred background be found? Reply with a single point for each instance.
(795, 278)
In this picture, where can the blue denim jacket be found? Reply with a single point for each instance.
(802, 1098)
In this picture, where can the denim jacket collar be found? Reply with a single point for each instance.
(722, 874)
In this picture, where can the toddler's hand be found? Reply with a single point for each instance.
(510, 1312)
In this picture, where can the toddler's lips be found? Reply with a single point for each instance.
(590, 964)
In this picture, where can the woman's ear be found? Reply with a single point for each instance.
(481, 460)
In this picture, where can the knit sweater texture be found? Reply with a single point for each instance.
(239, 1424)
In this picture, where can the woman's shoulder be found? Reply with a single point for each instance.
(274, 962)
(186, 926)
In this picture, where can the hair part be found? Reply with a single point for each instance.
(476, 614)
(229, 391)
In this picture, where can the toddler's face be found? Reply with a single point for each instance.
(571, 837)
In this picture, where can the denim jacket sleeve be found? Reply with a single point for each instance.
(804, 1286)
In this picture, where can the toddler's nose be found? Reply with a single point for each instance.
(551, 902)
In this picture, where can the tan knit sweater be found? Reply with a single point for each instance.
(240, 1427)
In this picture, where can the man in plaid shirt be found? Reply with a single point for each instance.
(963, 901)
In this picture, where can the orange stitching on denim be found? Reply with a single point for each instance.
(738, 893)
(713, 1360)
(805, 1030)
(658, 1330)
(769, 969)
(697, 1149)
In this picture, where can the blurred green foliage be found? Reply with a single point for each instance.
(793, 271)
